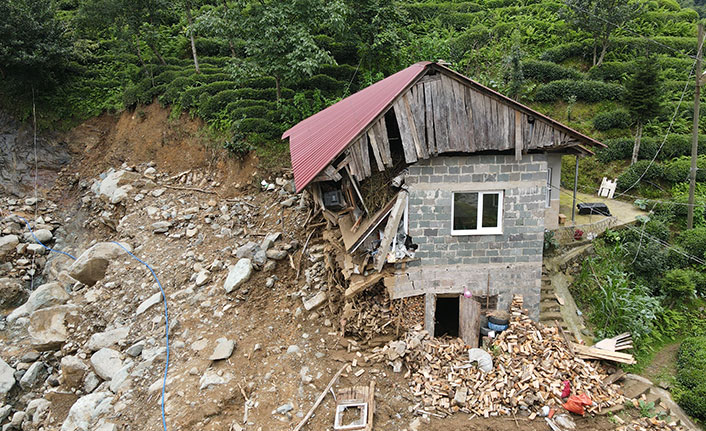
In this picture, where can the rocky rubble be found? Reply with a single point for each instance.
(93, 332)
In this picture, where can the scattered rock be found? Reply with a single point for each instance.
(246, 251)
(211, 378)
(161, 226)
(107, 338)
(8, 244)
(284, 408)
(45, 295)
(202, 277)
(238, 274)
(106, 363)
(148, 303)
(32, 376)
(158, 192)
(224, 348)
(43, 235)
(275, 254)
(90, 267)
(73, 371)
(11, 292)
(315, 301)
(85, 411)
(270, 239)
(136, 349)
(7, 377)
(115, 187)
(47, 327)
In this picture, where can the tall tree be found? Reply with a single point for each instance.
(34, 47)
(140, 18)
(643, 98)
(600, 18)
(190, 32)
(279, 36)
(514, 77)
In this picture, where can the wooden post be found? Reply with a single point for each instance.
(695, 131)
(576, 186)
(469, 320)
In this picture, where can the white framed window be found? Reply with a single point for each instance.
(477, 213)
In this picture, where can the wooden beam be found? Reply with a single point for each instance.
(376, 150)
(429, 119)
(403, 123)
(518, 135)
(359, 283)
(393, 223)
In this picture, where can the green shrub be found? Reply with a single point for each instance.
(621, 149)
(174, 89)
(428, 11)
(612, 71)
(618, 119)
(678, 169)
(651, 172)
(259, 126)
(693, 241)
(586, 91)
(621, 47)
(324, 83)
(546, 71)
(238, 148)
(260, 82)
(651, 261)
(679, 285)
(691, 368)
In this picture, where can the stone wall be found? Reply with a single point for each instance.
(449, 263)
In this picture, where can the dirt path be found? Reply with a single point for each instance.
(662, 368)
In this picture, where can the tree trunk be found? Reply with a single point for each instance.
(636, 147)
(604, 48)
(279, 90)
(156, 53)
(136, 45)
(191, 36)
(595, 51)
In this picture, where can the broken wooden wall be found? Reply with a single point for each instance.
(440, 114)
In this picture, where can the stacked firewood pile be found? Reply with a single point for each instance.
(368, 315)
(530, 362)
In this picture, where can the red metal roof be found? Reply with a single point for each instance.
(317, 140)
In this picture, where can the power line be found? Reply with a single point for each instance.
(649, 200)
(632, 32)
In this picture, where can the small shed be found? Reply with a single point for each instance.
(439, 186)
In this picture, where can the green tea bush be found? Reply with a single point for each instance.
(652, 172)
(618, 119)
(260, 82)
(677, 170)
(173, 91)
(546, 71)
(428, 11)
(621, 47)
(651, 260)
(324, 83)
(691, 368)
(565, 51)
(612, 71)
(586, 91)
(693, 241)
(679, 285)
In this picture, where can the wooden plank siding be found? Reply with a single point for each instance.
(442, 114)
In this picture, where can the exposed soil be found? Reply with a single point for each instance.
(663, 366)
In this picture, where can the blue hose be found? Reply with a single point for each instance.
(166, 314)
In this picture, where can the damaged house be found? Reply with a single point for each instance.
(441, 188)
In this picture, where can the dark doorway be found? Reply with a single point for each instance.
(446, 318)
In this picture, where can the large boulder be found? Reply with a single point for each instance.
(90, 267)
(7, 377)
(8, 244)
(11, 292)
(86, 411)
(47, 327)
(44, 296)
(43, 235)
(116, 185)
(238, 274)
(106, 363)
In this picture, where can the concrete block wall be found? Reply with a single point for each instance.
(449, 263)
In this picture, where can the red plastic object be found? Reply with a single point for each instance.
(578, 234)
(567, 389)
(575, 404)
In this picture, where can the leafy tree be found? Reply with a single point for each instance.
(138, 18)
(600, 18)
(514, 77)
(34, 46)
(279, 37)
(190, 31)
(378, 29)
(643, 98)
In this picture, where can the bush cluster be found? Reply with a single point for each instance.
(586, 91)
(674, 146)
(618, 119)
(691, 368)
(546, 71)
(621, 47)
(654, 171)
(612, 71)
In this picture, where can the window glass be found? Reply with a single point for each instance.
(465, 211)
(490, 210)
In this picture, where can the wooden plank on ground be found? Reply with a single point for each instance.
(359, 283)
(393, 223)
(403, 123)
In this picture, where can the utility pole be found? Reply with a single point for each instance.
(576, 186)
(695, 131)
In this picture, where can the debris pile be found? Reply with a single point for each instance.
(530, 363)
(650, 424)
